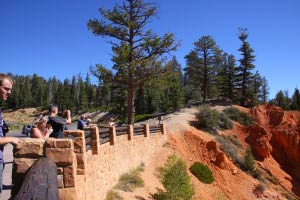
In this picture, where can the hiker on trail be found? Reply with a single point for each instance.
(5, 90)
(82, 122)
(58, 123)
(40, 128)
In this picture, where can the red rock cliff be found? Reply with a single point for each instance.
(276, 133)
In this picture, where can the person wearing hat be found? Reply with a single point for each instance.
(40, 129)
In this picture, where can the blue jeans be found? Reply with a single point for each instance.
(1, 175)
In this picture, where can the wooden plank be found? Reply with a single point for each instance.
(105, 140)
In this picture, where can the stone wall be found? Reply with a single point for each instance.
(86, 174)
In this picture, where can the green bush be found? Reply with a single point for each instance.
(224, 122)
(239, 116)
(208, 118)
(249, 160)
(230, 149)
(129, 181)
(202, 172)
(113, 195)
(175, 180)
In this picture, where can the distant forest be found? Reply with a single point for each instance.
(143, 81)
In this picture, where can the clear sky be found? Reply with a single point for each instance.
(50, 37)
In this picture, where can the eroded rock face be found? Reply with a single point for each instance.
(259, 140)
(276, 133)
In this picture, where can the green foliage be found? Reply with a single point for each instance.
(129, 181)
(224, 122)
(239, 116)
(175, 180)
(113, 195)
(142, 117)
(202, 172)
(208, 118)
(135, 49)
(230, 147)
(244, 70)
(249, 160)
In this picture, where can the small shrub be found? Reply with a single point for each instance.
(239, 116)
(229, 149)
(259, 189)
(249, 160)
(129, 181)
(202, 172)
(175, 180)
(113, 195)
(208, 118)
(225, 123)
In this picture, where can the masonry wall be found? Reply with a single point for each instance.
(86, 174)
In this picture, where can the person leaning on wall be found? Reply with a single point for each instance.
(6, 84)
(40, 128)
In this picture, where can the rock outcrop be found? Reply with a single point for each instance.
(276, 132)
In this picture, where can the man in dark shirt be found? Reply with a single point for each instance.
(57, 123)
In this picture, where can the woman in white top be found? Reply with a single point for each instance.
(40, 129)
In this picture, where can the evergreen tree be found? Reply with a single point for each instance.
(264, 90)
(226, 81)
(244, 71)
(295, 101)
(282, 100)
(201, 64)
(133, 46)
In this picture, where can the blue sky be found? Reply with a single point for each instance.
(50, 37)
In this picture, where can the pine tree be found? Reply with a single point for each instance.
(133, 46)
(201, 65)
(264, 90)
(295, 101)
(282, 99)
(244, 71)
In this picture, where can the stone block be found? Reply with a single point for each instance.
(78, 143)
(68, 194)
(62, 156)
(60, 181)
(29, 148)
(23, 164)
(80, 161)
(69, 176)
(63, 143)
(80, 171)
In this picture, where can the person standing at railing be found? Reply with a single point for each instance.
(5, 90)
(58, 123)
(82, 122)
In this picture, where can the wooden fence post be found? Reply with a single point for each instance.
(112, 131)
(163, 128)
(146, 130)
(130, 132)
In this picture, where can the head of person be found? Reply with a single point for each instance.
(53, 109)
(40, 122)
(83, 117)
(5, 86)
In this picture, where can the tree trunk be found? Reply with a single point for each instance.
(40, 182)
(130, 113)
